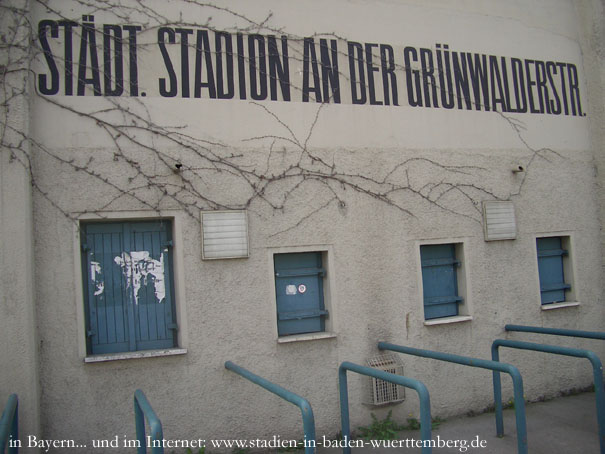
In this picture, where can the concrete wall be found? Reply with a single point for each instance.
(18, 333)
(593, 35)
(378, 181)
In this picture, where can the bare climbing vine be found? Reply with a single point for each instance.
(156, 166)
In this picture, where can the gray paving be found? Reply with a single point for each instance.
(563, 425)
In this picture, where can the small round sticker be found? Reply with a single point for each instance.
(302, 288)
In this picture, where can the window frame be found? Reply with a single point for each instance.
(176, 221)
(462, 281)
(567, 264)
(328, 294)
(312, 272)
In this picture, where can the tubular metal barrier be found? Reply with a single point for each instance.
(597, 370)
(142, 411)
(9, 425)
(423, 395)
(301, 402)
(483, 364)
(557, 331)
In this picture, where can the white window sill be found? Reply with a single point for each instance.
(448, 320)
(551, 306)
(134, 355)
(305, 337)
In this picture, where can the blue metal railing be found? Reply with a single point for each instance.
(483, 364)
(557, 331)
(597, 369)
(301, 402)
(9, 425)
(423, 395)
(142, 411)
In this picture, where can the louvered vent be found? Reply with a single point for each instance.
(499, 221)
(383, 392)
(224, 234)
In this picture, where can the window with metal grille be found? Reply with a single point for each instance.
(128, 286)
(551, 255)
(440, 280)
(383, 392)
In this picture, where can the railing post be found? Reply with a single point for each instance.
(9, 425)
(597, 368)
(142, 411)
(345, 424)
(517, 393)
(498, 397)
(139, 420)
(302, 403)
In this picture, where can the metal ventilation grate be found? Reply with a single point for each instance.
(224, 234)
(383, 392)
(499, 221)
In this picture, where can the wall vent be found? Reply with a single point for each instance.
(224, 234)
(499, 221)
(383, 392)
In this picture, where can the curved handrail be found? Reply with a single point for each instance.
(597, 371)
(423, 395)
(301, 402)
(496, 367)
(557, 331)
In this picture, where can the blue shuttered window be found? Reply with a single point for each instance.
(299, 292)
(128, 286)
(439, 280)
(550, 269)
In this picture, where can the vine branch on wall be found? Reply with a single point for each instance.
(184, 180)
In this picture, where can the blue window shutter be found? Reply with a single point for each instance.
(550, 269)
(108, 330)
(439, 280)
(128, 286)
(299, 312)
(153, 306)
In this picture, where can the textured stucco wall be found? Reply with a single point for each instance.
(593, 36)
(18, 334)
(227, 307)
